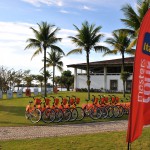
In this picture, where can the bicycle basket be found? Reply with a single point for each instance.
(117, 99)
(37, 101)
(56, 101)
(103, 100)
(47, 101)
(106, 99)
(77, 100)
(71, 101)
(95, 100)
(113, 99)
(64, 101)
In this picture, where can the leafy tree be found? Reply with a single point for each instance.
(133, 19)
(67, 79)
(87, 39)
(120, 42)
(40, 79)
(45, 37)
(57, 80)
(19, 77)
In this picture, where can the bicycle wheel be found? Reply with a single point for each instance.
(95, 113)
(121, 111)
(48, 115)
(110, 111)
(58, 115)
(104, 112)
(27, 115)
(86, 111)
(80, 113)
(74, 114)
(35, 116)
(66, 114)
(115, 111)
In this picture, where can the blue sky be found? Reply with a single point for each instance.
(17, 16)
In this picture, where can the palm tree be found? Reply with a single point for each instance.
(54, 60)
(87, 39)
(40, 78)
(45, 38)
(133, 19)
(120, 42)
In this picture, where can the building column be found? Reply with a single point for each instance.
(75, 79)
(105, 78)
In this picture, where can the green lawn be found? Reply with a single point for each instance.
(12, 110)
(99, 141)
(12, 114)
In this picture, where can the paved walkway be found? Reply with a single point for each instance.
(8, 133)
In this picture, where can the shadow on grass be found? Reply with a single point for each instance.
(15, 110)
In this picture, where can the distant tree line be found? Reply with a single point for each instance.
(10, 78)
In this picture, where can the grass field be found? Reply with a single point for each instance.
(12, 114)
(12, 110)
(99, 141)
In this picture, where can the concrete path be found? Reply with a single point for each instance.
(28, 132)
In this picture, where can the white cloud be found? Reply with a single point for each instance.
(84, 4)
(38, 3)
(64, 11)
(87, 8)
(13, 38)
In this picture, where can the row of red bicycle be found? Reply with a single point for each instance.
(51, 109)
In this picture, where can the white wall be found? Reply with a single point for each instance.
(97, 81)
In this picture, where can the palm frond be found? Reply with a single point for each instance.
(132, 44)
(75, 51)
(36, 53)
(132, 20)
(57, 49)
(101, 48)
(110, 52)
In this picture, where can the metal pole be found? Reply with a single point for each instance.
(129, 146)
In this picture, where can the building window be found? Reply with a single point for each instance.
(128, 85)
(114, 85)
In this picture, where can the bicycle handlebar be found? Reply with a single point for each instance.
(74, 96)
(60, 96)
(68, 97)
(93, 96)
(52, 97)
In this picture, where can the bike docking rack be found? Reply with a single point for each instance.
(63, 109)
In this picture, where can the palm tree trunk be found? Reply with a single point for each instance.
(53, 76)
(122, 70)
(45, 92)
(41, 86)
(88, 73)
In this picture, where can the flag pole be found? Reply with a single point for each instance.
(129, 146)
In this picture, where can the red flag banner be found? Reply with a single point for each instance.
(140, 99)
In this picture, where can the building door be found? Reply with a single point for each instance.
(128, 85)
(114, 85)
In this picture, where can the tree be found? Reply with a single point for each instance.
(45, 37)
(133, 19)
(124, 76)
(18, 77)
(120, 42)
(40, 78)
(87, 39)
(57, 80)
(67, 79)
(54, 60)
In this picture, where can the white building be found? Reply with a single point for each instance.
(104, 75)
